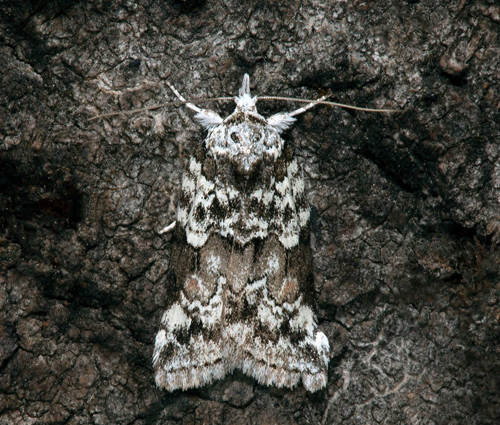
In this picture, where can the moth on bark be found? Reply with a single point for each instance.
(241, 260)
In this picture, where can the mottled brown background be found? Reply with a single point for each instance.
(406, 207)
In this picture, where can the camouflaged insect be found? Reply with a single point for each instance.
(241, 261)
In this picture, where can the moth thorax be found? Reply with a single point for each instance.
(245, 145)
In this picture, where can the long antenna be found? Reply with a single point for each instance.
(191, 104)
(321, 101)
(164, 105)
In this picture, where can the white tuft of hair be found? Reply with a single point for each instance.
(208, 119)
(281, 121)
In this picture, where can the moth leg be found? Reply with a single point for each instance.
(283, 120)
(308, 106)
(168, 229)
(181, 98)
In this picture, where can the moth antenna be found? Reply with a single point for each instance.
(163, 105)
(321, 101)
(135, 111)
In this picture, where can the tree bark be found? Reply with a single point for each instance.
(405, 206)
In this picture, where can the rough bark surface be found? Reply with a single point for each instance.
(406, 206)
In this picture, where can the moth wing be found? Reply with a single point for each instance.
(188, 350)
(275, 333)
(279, 343)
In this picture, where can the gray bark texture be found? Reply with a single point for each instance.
(406, 207)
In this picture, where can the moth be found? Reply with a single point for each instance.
(241, 261)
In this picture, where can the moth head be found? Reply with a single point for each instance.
(244, 102)
(246, 109)
(245, 138)
(245, 105)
